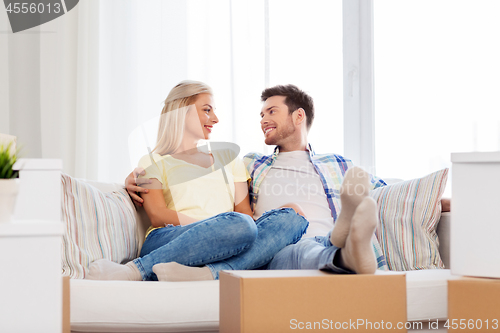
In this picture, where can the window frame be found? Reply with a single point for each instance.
(358, 83)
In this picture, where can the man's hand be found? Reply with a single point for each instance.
(132, 184)
(296, 208)
(445, 205)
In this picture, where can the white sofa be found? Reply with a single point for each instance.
(123, 306)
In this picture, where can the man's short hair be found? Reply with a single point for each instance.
(294, 99)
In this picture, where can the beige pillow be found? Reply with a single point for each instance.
(409, 213)
(97, 225)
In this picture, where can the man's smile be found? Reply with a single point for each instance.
(268, 129)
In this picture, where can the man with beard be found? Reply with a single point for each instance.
(319, 185)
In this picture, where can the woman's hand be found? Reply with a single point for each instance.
(296, 208)
(132, 184)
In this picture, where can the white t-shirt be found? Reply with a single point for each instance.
(293, 179)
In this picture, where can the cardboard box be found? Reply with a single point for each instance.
(66, 318)
(474, 305)
(475, 215)
(290, 300)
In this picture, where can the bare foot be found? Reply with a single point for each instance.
(355, 187)
(358, 254)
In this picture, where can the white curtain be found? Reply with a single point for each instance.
(147, 47)
(50, 88)
(75, 88)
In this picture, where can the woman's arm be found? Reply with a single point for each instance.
(242, 199)
(158, 213)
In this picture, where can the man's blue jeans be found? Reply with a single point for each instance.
(226, 241)
(309, 253)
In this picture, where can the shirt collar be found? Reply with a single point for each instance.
(308, 148)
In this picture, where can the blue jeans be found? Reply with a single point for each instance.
(276, 229)
(216, 239)
(309, 253)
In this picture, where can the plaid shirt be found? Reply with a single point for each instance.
(331, 169)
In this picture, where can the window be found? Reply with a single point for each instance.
(436, 83)
(305, 46)
(239, 48)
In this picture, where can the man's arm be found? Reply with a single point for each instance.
(241, 199)
(445, 205)
(295, 207)
(132, 184)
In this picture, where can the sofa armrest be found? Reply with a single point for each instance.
(443, 231)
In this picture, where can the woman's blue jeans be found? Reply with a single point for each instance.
(225, 241)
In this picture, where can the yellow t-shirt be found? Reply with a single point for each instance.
(193, 190)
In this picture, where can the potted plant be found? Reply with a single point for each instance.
(9, 183)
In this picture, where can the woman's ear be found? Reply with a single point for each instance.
(299, 116)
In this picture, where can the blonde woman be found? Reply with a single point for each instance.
(198, 204)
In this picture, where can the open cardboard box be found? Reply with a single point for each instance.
(288, 300)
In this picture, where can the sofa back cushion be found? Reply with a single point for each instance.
(97, 225)
(409, 213)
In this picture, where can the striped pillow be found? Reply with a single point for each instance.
(97, 225)
(409, 212)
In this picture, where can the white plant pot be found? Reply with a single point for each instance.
(8, 195)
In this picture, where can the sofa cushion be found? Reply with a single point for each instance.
(97, 225)
(409, 213)
(427, 294)
(130, 306)
(144, 306)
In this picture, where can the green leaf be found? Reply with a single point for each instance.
(7, 161)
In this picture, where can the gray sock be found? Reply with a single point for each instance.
(105, 269)
(174, 272)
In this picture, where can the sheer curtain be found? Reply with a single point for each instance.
(237, 47)
(217, 42)
(50, 88)
(103, 69)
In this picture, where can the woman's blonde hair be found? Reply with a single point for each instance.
(173, 115)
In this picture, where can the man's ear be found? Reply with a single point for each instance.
(299, 116)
